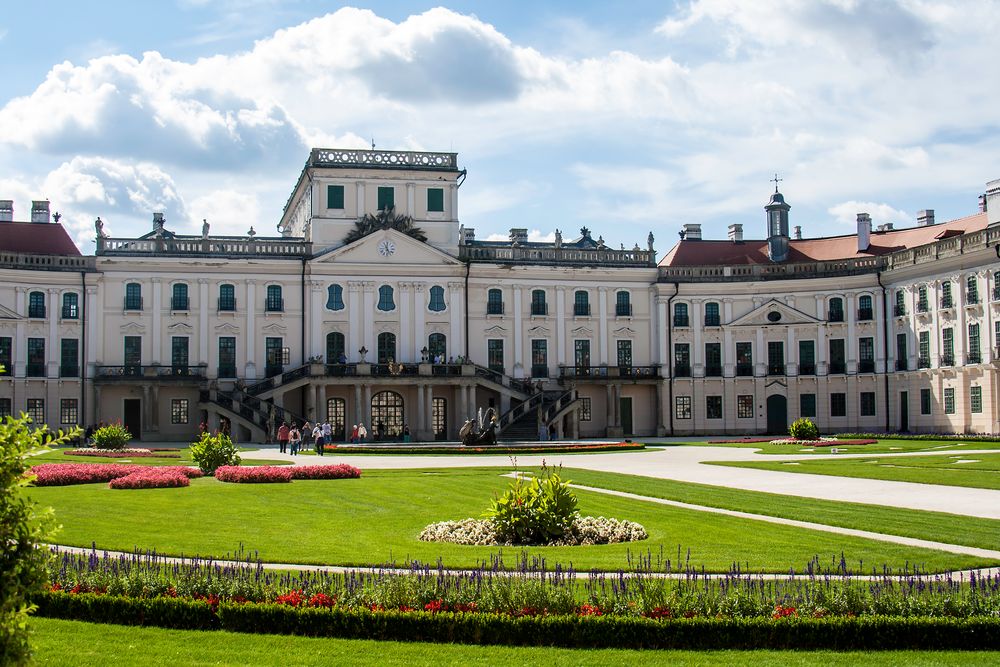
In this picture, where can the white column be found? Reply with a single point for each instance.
(698, 353)
(251, 334)
(157, 352)
(407, 343)
(419, 315)
(52, 351)
(315, 343)
(411, 198)
(20, 340)
(456, 306)
(355, 316)
(560, 325)
(602, 332)
(518, 360)
(360, 189)
(661, 331)
(92, 354)
(203, 345)
(368, 331)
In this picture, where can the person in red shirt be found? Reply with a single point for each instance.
(283, 438)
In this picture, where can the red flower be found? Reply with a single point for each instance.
(434, 606)
(321, 600)
(780, 611)
(659, 612)
(589, 610)
(291, 598)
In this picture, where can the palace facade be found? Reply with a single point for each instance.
(375, 305)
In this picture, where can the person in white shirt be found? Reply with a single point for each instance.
(362, 432)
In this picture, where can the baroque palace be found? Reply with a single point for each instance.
(375, 305)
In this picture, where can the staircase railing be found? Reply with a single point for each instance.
(522, 385)
(558, 405)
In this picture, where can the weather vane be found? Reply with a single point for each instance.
(776, 181)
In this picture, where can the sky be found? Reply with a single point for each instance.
(625, 118)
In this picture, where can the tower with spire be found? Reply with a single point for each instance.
(777, 225)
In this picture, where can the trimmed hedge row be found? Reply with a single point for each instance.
(836, 633)
(919, 436)
(491, 449)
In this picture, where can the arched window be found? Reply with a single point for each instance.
(387, 415)
(179, 297)
(335, 348)
(581, 303)
(437, 346)
(946, 301)
(227, 298)
(71, 306)
(972, 290)
(133, 296)
(386, 347)
(712, 314)
(334, 297)
(538, 306)
(385, 301)
(836, 313)
(437, 299)
(623, 304)
(36, 304)
(494, 302)
(681, 315)
(900, 308)
(274, 303)
(865, 307)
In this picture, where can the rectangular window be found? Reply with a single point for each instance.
(133, 354)
(925, 401)
(69, 358)
(581, 353)
(744, 406)
(539, 358)
(538, 306)
(36, 410)
(946, 300)
(838, 364)
(5, 407)
(775, 357)
(69, 413)
(713, 359)
(36, 304)
(386, 198)
(624, 354)
(867, 404)
(713, 407)
(71, 306)
(996, 334)
(6, 355)
(976, 399)
(273, 356)
(494, 354)
(744, 358)
(682, 359)
(682, 407)
(178, 411)
(902, 362)
(949, 400)
(924, 348)
(974, 356)
(838, 404)
(947, 347)
(866, 355)
(36, 358)
(585, 410)
(807, 405)
(179, 352)
(435, 200)
(227, 356)
(335, 196)
(807, 357)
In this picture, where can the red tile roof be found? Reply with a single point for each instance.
(727, 253)
(36, 238)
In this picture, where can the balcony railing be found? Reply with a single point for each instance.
(744, 370)
(923, 362)
(609, 372)
(35, 370)
(227, 371)
(133, 303)
(273, 305)
(70, 313)
(775, 369)
(899, 310)
(581, 309)
(973, 358)
(902, 365)
(712, 321)
(835, 316)
(713, 371)
(838, 368)
(681, 321)
(494, 308)
(971, 298)
(539, 309)
(623, 310)
(864, 314)
(947, 360)
(144, 373)
(539, 371)
(866, 366)
(227, 305)
(179, 303)
(682, 370)
(807, 369)
(36, 311)
(69, 370)
(923, 306)
(947, 302)
(996, 293)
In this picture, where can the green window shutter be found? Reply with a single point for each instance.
(335, 196)
(386, 198)
(435, 200)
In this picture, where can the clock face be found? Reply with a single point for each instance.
(386, 248)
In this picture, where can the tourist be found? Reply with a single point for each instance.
(406, 432)
(380, 430)
(307, 430)
(342, 359)
(552, 432)
(283, 438)
(543, 432)
(362, 432)
(327, 433)
(354, 434)
(294, 440)
(318, 439)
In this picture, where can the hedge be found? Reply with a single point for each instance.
(919, 436)
(832, 633)
(491, 449)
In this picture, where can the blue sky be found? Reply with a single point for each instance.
(565, 113)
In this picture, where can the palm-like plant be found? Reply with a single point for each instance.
(387, 218)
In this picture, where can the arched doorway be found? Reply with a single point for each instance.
(777, 414)
(387, 416)
(336, 409)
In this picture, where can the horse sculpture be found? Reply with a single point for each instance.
(473, 436)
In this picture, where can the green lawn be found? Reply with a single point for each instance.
(59, 642)
(936, 526)
(377, 518)
(60, 456)
(981, 471)
(884, 446)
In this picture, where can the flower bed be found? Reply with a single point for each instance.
(339, 471)
(65, 474)
(497, 449)
(822, 442)
(121, 453)
(165, 477)
(253, 474)
(585, 530)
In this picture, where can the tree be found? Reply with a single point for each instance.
(387, 218)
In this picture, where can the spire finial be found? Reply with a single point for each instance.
(776, 180)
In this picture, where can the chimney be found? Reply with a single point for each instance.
(6, 210)
(692, 232)
(467, 235)
(736, 233)
(864, 231)
(925, 218)
(982, 203)
(885, 227)
(518, 235)
(40, 211)
(993, 202)
(797, 235)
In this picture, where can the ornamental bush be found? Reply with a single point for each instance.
(339, 471)
(804, 429)
(214, 450)
(65, 474)
(167, 477)
(539, 511)
(112, 436)
(253, 474)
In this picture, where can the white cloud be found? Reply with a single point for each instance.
(845, 213)
(229, 213)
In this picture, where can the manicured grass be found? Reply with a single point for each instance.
(60, 456)
(936, 526)
(377, 519)
(58, 642)
(982, 470)
(885, 446)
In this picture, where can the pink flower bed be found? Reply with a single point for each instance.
(153, 478)
(253, 474)
(64, 474)
(120, 453)
(339, 471)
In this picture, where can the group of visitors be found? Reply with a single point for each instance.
(291, 439)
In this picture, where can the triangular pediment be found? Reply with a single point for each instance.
(8, 314)
(762, 316)
(132, 328)
(582, 331)
(388, 247)
(624, 331)
(496, 329)
(180, 327)
(539, 331)
(274, 328)
(226, 327)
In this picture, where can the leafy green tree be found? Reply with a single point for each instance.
(387, 218)
(214, 450)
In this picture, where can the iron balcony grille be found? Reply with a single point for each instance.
(682, 370)
(713, 371)
(539, 309)
(623, 310)
(838, 368)
(864, 314)
(227, 304)
(775, 369)
(272, 305)
(69, 371)
(835, 316)
(902, 365)
(133, 303)
(807, 369)
(680, 320)
(581, 309)
(899, 311)
(744, 370)
(866, 366)
(712, 321)
(227, 371)
(494, 309)
(36, 311)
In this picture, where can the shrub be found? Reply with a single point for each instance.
(339, 471)
(535, 512)
(804, 429)
(212, 451)
(253, 474)
(22, 528)
(112, 436)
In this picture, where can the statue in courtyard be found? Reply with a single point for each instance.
(473, 435)
(204, 229)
